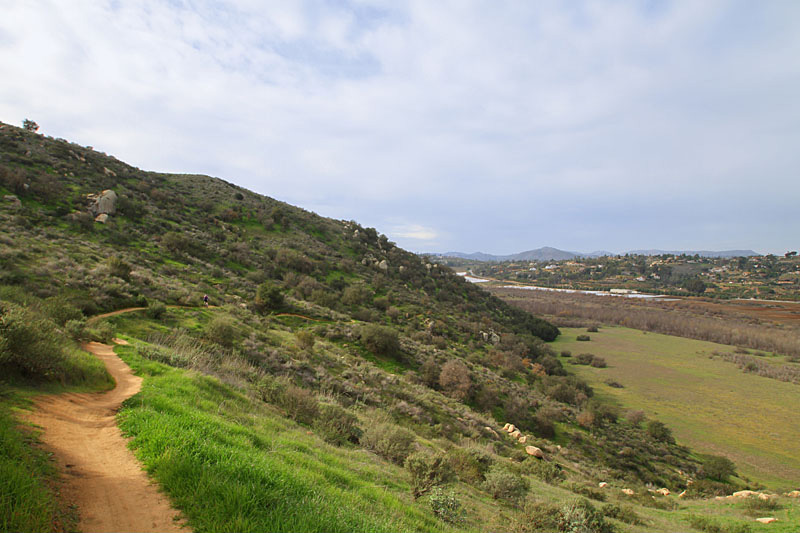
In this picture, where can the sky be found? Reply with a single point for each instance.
(491, 126)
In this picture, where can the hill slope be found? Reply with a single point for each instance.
(380, 372)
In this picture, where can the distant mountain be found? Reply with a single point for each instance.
(548, 253)
(702, 253)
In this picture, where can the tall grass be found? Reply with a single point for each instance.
(231, 464)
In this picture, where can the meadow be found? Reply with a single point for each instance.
(711, 405)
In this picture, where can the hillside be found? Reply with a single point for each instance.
(334, 373)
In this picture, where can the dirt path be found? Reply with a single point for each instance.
(102, 477)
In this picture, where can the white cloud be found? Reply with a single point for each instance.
(484, 119)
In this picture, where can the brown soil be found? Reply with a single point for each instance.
(102, 477)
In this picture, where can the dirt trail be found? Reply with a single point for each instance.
(102, 477)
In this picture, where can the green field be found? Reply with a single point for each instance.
(711, 405)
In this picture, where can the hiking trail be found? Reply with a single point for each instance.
(101, 475)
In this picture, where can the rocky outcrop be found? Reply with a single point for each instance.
(103, 203)
(534, 451)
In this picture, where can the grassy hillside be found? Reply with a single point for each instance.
(681, 383)
(339, 382)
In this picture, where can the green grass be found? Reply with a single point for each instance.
(231, 463)
(710, 405)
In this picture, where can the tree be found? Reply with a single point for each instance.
(787, 255)
(695, 285)
(380, 340)
(30, 125)
(718, 468)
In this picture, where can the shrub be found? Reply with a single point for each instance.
(298, 403)
(584, 359)
(337, 426)
(60, 310)
(380, 340)
(623, 513)
(305, 340)
(469, 464)
(76, 329)
(592, 329)
(635, 417)
(503, 484)
(566, 353)
(538, 516)
(429, 372)
(660, 432)
(29, 343)
(706, 488)
(598, 362)
(102, 332)
(119, 268)
(759, 507)
(546, 471)
(389, 441)
(455, 379)
(446, 506)
(221, 331)
(718, 468)
(583, 338)
(156, 309)
(581, 517)
(268, 298)
(427, 470)
(584, 490)
(709, 525)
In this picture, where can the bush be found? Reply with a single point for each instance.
(305, 340)
(566, 353)
(585, 490)
(584, 359)
(298, 403)
(709, 525)
(446, 506)
(759, 507)
(583, 338)
(427, 470)
(598, 362)
(546, 471)
(29, 344)
(337, 426)
(60, 310)
(102, 332)
(389, 441)
(221, 331)
(470, 464)
(503, 484)
(380, 340)
(268, 298)
(581, 517)
(592, 329)
(455, 379)
(660, 432)
(538, 516)
(706, 488)
(718, 468)
(76, 329)
(119, 268)
(623, 513)
(156, 309)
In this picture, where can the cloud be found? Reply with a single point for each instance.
(504, 125)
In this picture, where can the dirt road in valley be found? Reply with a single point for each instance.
(102, 477)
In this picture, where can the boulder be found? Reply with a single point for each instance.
(101, 218)
(383, 265)
(627, 492)
(765, 497)
(534, 451)
(108, 172)
(106, 202)
(682, 494)
(511, 428)
(523, 439)
(491, 432)
(603, 485)
(663, 492)
(767, 520)
(516, 434)
(744, 494)
(793, 494)
(505, 426)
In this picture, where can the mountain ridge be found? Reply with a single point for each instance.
(549, 253)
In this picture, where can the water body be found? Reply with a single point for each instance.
(596, 293)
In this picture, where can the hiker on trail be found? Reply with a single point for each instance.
(205, 299)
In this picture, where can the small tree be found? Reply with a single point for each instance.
(30, 125)
(660, 432)
(718, 468)
(380, 340)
